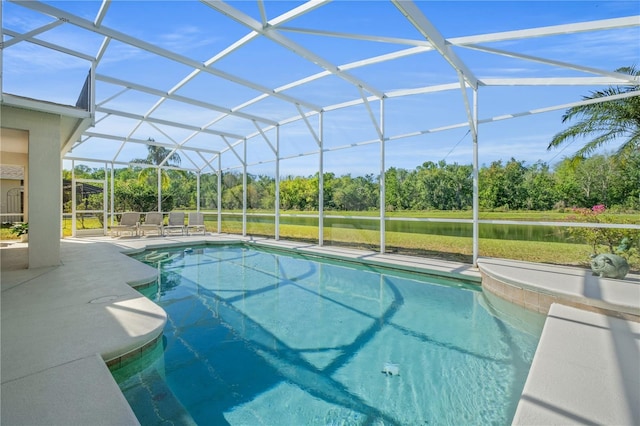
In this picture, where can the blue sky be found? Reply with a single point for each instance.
(198, 32)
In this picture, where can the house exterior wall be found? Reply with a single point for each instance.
(44, 184)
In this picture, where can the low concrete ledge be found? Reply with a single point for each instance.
(433, 267)
(537, 286)
(585, 371)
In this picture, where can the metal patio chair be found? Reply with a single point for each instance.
(175, 223)
(153, 221)
(196, 223)
(129, 221)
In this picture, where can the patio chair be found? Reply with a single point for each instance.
(153, 221)
(196, 222)
(176, 223)
(129, 221)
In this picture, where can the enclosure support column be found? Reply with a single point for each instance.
(73, 198)
(198, 191)
(61, 196)
(382, 181)
(244, 190)
(321, 182)
(113, 196)
(92, 92)
(159, 190)
(277, 200)
(475, 178)
(105, 200)
(219, 193)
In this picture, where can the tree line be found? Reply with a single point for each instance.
(613, 181)
(581, 180)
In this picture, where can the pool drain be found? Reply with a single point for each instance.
(105, 299)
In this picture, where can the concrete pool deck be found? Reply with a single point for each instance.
(60, 325)
(586, 370)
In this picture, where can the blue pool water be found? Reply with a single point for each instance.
(266, 338)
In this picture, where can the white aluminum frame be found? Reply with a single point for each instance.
(275, 30)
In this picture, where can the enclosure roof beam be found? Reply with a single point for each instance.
(422, 24)
(306, 121)
(146, 142)
(372, 117)
(184, 99)
(391, 40)
(270, 33)
(29, 35)
(554, 81)
(140, 44)
(231, 148)
(357, 64)
(207, 163)
(564, 106)
(266, 139)
(166, 122)
(617, 75)
(51, 46)
(102, 12)
(598, 25)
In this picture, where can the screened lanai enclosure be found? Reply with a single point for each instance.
(305, 120)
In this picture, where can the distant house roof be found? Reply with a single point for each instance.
(84, 189)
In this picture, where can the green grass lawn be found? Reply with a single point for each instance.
(441, 246)
(438, 246)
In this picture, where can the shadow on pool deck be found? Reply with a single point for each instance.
(54, 340)
(14, 255)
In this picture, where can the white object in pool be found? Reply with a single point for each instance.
(154, 255)
(167, 259)
(151, 255)
(391, 369)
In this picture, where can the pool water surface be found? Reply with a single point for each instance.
(256, 337)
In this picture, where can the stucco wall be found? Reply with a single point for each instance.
(44, 181)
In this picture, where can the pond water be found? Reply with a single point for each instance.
(489, 231)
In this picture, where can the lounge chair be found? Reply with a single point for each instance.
(196, 222)
(176, 223)
(129, 221)
(153, 221)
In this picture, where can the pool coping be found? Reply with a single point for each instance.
(426, 266)
(536, 287)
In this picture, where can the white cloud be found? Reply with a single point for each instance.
(185, 38)
(29, 58)
(595, 48)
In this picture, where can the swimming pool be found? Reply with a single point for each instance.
(256, 337)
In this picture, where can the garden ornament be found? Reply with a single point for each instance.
(609, 265)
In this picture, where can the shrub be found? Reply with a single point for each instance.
(624, 242)
(20, 229)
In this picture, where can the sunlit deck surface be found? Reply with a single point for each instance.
(60, 324)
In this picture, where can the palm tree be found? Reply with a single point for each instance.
(156, 155)
(605, 121)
